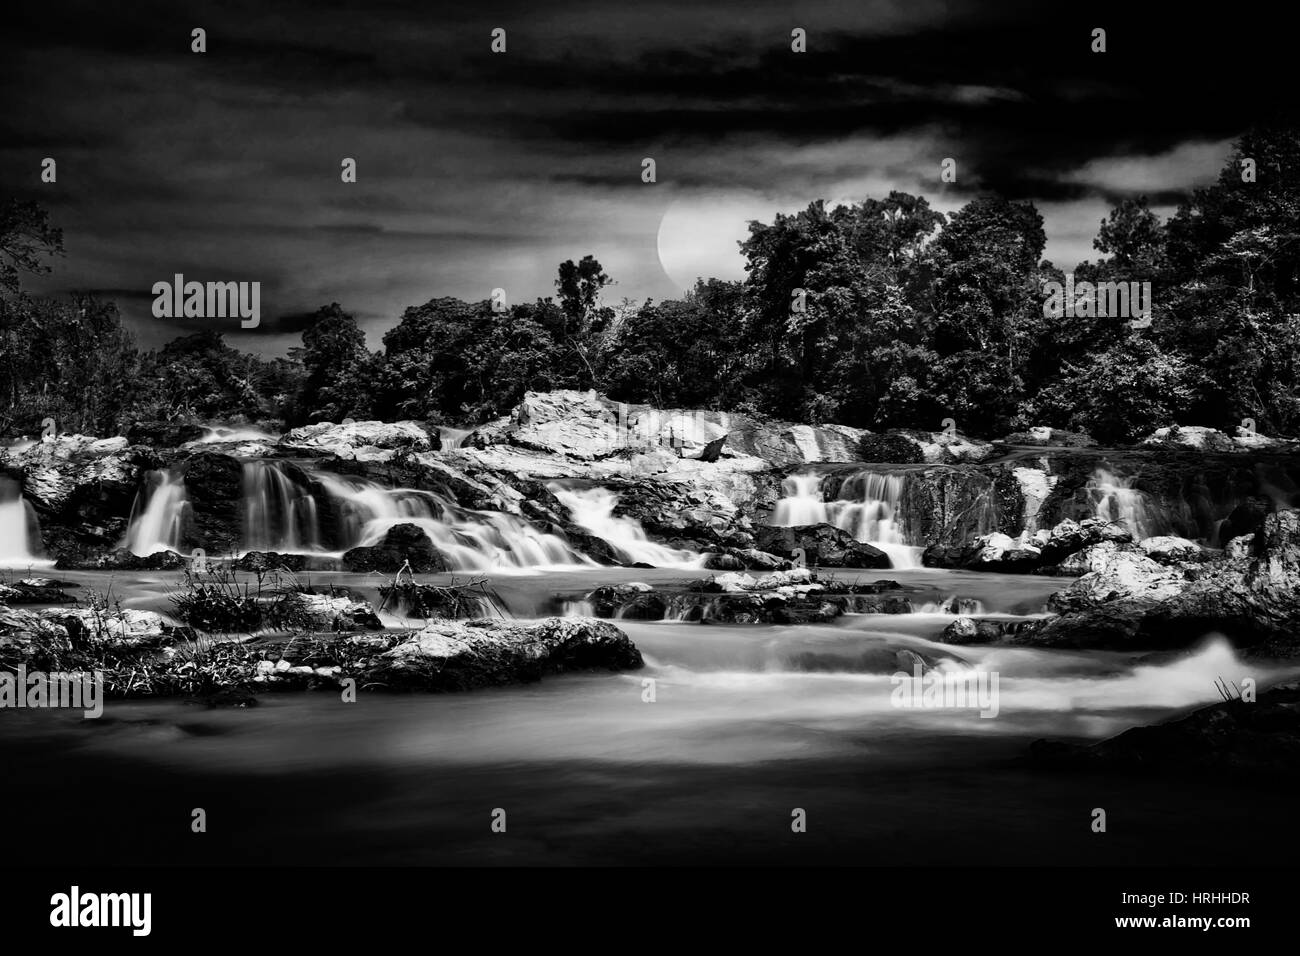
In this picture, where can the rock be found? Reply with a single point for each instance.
(1169, 549)
(330, 613)
(967, 630)
(744, 559)
(631, 601)
(1226, 738)
(456, 656)
(123, 560)
(1055, 437)
(164, 434)
(823, 545)
(1251, 594)
(214, 485)
(1246, 518)
(960, 631)
(127, 626)
(361, 441)
(1239, 549)
(272, 561)
(1123, 574)
(1069, 537)
(1190, 436)
(899, 446)
(403, 544)
(713, 450)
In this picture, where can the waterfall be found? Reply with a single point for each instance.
(1115, 499)
(157, 515)
(20, 534)
(801, 502)
(870, 508)
(280, 513)
(452, 437)
(222, 433)
(470, 540)
(593, 510)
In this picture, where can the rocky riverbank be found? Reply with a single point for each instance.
(1155, 545)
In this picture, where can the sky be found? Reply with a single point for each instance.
(479, 170)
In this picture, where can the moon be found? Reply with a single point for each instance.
(698, 238)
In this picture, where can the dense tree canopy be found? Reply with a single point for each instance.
(880, 313)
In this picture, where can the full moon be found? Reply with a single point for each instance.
(698, 238)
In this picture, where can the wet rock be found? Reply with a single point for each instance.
(330, 613)
(273, 561)
(1170, 549)
(214, 484)
(1069, 537)
(1055, 437)
(403, 544)
(1190, 436)
(164, 434)
(1123, 574)
(362, 441)
(1251, 594)
(744, 559)
(903, 446)
(636, 602)
(123, 560)
(128, 626)
(1235, 736)
(823, 545)
(458, 656)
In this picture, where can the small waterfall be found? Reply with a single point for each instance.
(158, 514)
(870, 508)
(593, 510)
(1115, 499)
(470, 540)
(801, 503)
(280, 513)
(221, 433)
(452, 437)
(20, 534)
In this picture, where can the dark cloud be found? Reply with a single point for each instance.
(478, 170)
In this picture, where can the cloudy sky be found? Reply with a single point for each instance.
(479, 170)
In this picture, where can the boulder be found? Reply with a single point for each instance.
(121, 559)
(637, 602)
(360, 441)
(1229, 738)
(1196, 437)
(900, 446)
(1069, 537)
(823, 545)
(1170, 549)
(403, 544)
(448, 655)
(1042, 435)
(324, 612)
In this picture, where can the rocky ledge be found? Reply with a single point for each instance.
(1234, 736)
(1134, 597)
(143, 658)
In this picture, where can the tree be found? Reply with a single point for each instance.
(26, 239)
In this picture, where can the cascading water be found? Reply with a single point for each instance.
(20, 534)
(158, 514)
(470, 540)
(1115, 499)
(870, 508)
(222, 433)
(280, 513)
(593, 510)
(452, 437)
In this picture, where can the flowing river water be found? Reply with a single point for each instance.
(748, 725)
